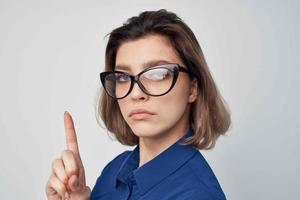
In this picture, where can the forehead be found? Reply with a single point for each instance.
(142, 53)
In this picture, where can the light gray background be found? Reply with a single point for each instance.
(52, 51)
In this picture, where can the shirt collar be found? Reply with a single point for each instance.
(152, 172)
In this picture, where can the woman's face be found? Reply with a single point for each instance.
(170, 112)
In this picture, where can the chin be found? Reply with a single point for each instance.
(144, 135)
(143, 132)
(146, 129)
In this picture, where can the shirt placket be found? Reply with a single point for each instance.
(131, 183)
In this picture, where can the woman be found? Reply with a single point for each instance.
(160, 96)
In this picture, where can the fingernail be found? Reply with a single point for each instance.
(65, 112)
(76, 184)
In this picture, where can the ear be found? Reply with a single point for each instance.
(193, 91)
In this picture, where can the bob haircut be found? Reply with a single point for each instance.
(209, 117)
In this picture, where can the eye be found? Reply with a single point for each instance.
(122, 78)
(157, 74)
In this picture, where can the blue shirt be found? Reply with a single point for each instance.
(180, 172)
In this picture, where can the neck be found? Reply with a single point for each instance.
(150, 147)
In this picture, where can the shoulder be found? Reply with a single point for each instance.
(205, 179)
(106, 180)
(107, 176)
(116, 161)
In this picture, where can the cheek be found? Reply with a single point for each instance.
(174, 106)
(179, 95)
(122, 105)
(176, 101)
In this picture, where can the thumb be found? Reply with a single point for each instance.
(74, 183)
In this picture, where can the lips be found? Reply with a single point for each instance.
(140, 111)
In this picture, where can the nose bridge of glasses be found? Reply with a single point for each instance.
(135, 79)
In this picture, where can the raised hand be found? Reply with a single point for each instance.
(67, 179)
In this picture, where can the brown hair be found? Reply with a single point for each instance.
(209, 117)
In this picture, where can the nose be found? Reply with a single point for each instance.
(137, 93)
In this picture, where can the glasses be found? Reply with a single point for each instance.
(154, 81)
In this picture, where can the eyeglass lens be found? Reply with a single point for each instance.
(155, 81)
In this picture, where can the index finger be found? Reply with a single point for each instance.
(71, 138)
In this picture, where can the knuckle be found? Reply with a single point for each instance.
(67, 153)
(52, 185)
(56, 162)
(61, 189)
(58, 186)
(69, 162)
(48, 185)
(71, 171)
(65, 180)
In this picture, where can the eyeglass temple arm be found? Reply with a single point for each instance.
(183, 69)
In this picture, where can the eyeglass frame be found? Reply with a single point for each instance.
(135, 78)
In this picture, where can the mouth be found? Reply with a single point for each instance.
(140, 114)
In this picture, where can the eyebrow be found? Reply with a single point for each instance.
(145, 65)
